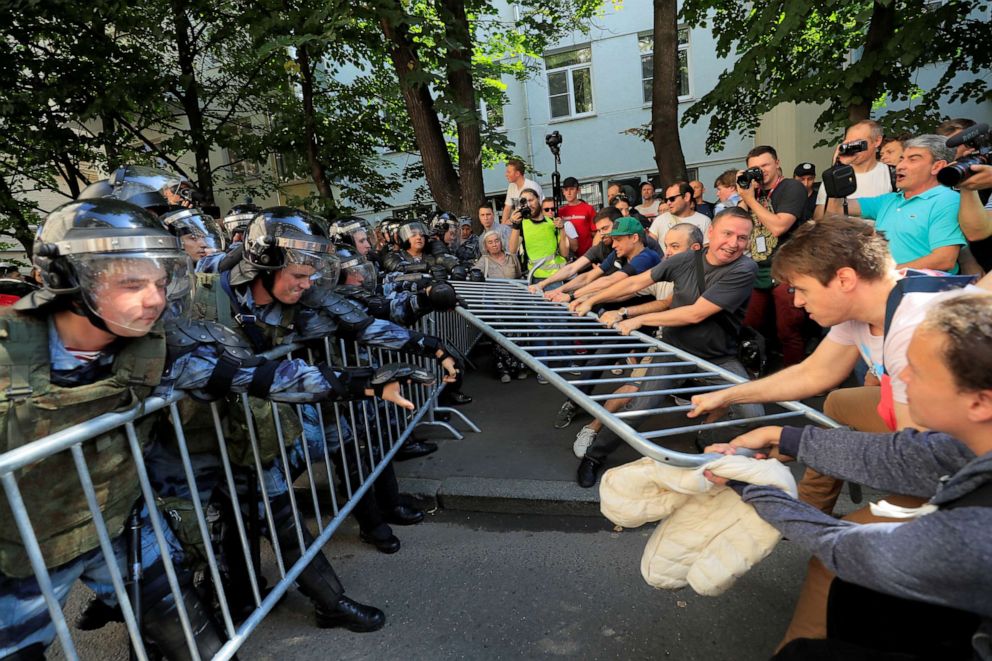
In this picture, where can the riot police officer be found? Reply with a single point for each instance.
(90, 341)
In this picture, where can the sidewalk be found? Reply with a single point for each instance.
(519, 463)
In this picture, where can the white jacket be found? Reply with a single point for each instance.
(709, 536)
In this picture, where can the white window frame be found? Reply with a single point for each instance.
(683, 47)
(484, 115)
(569, 71)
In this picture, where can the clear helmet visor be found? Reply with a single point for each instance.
(130, 292)
(133, 180)
(362, 275)
(199, 233)
(321, 268)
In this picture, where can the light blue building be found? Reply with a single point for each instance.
(594, 86)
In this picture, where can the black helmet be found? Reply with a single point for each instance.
(198, 232)
(408, 230)
(354, 231)
(238, 217)
(86, 247)
(280, 237)
(152, 188)
(102, 188)
(356, 271)
(442, 221)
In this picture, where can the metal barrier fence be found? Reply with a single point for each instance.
(578, 354)
(361, 438)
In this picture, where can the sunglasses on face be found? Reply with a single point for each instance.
(549, 208)
(672, 198)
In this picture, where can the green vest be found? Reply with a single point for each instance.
(211, 303)
(541, 240)
(32, 407)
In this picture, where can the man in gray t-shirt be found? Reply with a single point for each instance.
(703, 321)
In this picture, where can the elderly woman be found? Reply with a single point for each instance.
(495, 261)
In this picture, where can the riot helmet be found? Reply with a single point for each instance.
(406, 233)
(285, 238)
(353, 231)
(441, 222)
(237, 219)
(198, 232)
(356, 271)
(152, 188)
(102, 188)
(112, 262)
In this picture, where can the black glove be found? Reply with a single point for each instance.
(399, 372)
(443, 296)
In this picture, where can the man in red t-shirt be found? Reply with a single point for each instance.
(578, 217)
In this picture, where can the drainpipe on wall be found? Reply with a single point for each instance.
(527, 127)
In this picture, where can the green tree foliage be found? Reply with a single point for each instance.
(852, 56)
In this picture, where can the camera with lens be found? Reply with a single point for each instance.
(553, 141)
(852, 148)
(523, 206)
(745, 178)
(978, 138)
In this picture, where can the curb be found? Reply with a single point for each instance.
(504, 496)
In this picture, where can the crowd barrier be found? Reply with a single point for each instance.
(378, 431)
(573, 352)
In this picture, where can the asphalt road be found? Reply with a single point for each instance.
(491, 586)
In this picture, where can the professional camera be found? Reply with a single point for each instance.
(745, 178)
(852, 148)
(553, 141)
(523, 206)
(977, 137)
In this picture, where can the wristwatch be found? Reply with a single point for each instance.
(623, 313)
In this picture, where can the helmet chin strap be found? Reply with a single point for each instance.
(84, 310)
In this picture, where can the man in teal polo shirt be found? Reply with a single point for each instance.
(921, 219)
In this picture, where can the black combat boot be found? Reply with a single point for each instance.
(162, 627)
(318, 582)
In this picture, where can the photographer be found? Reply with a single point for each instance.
(975, 184)
(776, 205)
(861, 143)
(920, 221)
(515, 177)
(540, 235)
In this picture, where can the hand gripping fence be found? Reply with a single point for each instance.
(377, 430)
(578, 354)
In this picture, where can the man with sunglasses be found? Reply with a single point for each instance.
(681, 209)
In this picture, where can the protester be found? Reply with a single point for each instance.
(918, 588)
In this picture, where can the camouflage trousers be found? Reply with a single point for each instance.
(24, 618)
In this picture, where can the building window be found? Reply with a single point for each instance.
(570, 82)
(242, 166)
(645, 43)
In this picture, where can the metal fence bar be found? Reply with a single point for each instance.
(383, 428)
(549, 330)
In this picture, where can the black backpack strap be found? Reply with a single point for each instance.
(917, 282)
(892, 177)
(244, 317)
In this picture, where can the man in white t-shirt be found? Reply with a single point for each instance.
(517, 182)
(842, 274)
(679, 201)
(873, 177)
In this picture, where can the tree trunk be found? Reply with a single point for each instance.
(880, 31)
(438, 168)
(190, 100)
(317, 170)
(108, 130)
(458, 70)
(664, 94)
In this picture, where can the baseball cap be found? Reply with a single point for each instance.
(464, 220)
(626, 226)
(804, 169)
(570, 182)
